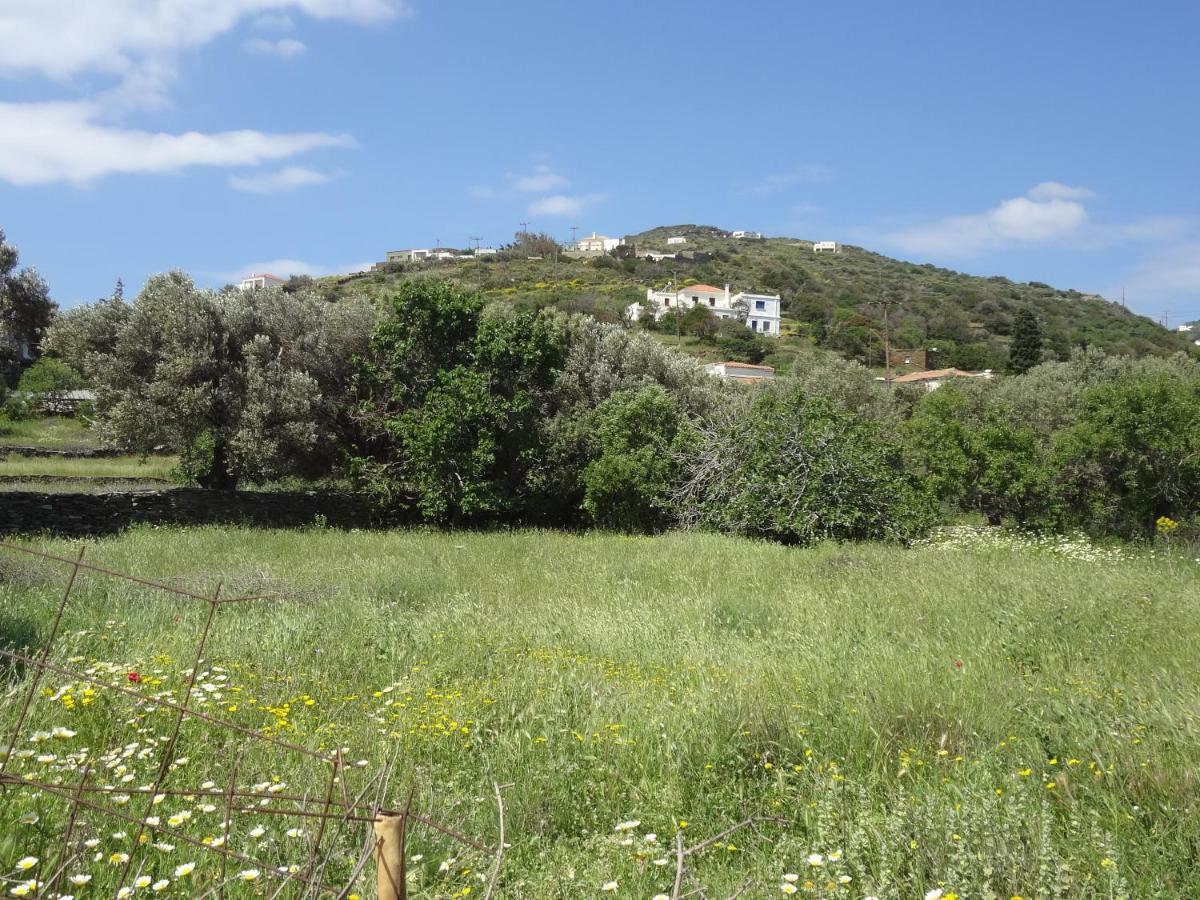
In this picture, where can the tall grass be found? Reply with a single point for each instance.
(155, 467)
(988, 721)
(46, 431)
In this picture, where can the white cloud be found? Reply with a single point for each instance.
(133, 47)
(1169, 274)
(541, 180)
(42, 143)
(64, 38)
(563, 205)
(287, 179)
(284, 48)
(285, 268)
(808, 173)
(274, 21)
(1049, 212)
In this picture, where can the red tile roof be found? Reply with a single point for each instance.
(934, 375)
(707, 288)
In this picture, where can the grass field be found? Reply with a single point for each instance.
(98, 467)
(52, 432)
(988, 718)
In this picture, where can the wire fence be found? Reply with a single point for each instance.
(333, 810)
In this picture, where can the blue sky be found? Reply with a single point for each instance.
(1056, 142)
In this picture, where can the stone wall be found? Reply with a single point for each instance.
(83, 514)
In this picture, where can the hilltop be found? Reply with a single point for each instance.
(830, 300)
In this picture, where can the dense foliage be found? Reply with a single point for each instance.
(474, 412)
(243, 385)
(26, 310)
(1106, 444)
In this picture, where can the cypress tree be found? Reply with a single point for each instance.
(1026, 349)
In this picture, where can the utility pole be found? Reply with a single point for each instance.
(474, 239)
(574, 228)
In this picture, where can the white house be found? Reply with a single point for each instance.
(258, 282)
(1185, 328)
(676, 239)
(761, 312)
(827, 247)
(658, 257)
(740, 371)
(485, 251)
(597, 245)
(749, 235)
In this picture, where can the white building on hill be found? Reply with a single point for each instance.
(827, 247)
(740, 371)
(761, 311)
(748, 235)
(597, 245)
(258, 282)
(676, 239)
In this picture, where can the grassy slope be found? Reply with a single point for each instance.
(51, 432)
(686, 678)
(90, 467)
(934, 304)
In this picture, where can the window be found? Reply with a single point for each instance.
(753, 325)
(712, 301)
(695, 299)
(667, 301)
(760, 304)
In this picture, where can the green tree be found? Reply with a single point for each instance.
(1134, 454)
(241, 385)
(627, 483)
(26, 309)
(791, 467)
(1026, 349)
(49, 380)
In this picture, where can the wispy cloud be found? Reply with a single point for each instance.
(132, 47)
(1047, 213)
(286, 179)
(540, 180)
(779, 182)
(284, 48)
(67, 142)
(563, 204)
(1165, 277)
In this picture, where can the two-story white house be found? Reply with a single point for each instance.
(761, 312)
(827, 247)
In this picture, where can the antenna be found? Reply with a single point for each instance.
(574, 228)
(475, 239)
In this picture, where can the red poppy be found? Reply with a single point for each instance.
(135, 677)
(958, 664)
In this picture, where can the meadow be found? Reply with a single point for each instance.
(980, 716)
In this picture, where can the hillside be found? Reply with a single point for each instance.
(830, 300)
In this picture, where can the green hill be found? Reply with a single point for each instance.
(833, 301)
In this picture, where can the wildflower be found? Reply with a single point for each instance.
(142, 881)
(117, 858)
(249, 874)
(26, 888)
(788, 888)
(446, 864)
(185, 869)
(134, 677)
(295, 832)
(628, 826)
(844, 879)
(61, 732)
(610, 886)
(160, 885)
(792, 877)
(80, 879)
(660, 897)
(958, 664)
(29, 818)
(91, 843)
(27, 863)
(816, 860)
(650, 838)
(124, 892)
(257, 831)
(935, 894)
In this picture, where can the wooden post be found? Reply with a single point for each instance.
(389, 857)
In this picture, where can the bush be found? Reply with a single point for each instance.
(795, 468)
(628, 481)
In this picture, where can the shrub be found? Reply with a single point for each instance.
(795, 468)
